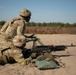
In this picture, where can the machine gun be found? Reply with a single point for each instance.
(41, 49)
(50, 48)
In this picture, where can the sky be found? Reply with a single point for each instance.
(63, 11)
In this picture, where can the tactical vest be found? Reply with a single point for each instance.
(11, 31)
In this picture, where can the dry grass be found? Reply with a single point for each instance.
(51, 30)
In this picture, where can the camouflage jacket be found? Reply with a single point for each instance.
(9, 30)
(13, 27)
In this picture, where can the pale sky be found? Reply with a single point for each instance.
(42, 10)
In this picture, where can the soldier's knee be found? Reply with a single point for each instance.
(3, 60)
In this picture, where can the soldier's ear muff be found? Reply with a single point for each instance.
(26, 18)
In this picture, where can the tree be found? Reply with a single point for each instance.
(2, 22)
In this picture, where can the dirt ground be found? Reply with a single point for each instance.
(56, 39)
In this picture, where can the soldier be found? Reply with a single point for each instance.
(12, 39)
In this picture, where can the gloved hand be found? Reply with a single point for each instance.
(23, 62)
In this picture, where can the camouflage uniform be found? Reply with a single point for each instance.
(8, 32)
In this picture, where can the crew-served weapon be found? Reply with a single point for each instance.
(41, 49)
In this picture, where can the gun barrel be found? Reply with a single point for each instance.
(72, 45)
(60, 47)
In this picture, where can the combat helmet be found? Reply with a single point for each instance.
(19, 40)
(25, 12)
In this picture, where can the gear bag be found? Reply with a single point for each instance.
(46, 64)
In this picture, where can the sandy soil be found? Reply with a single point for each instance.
(55, 39)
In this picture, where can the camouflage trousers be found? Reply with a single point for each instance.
(14, 55)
